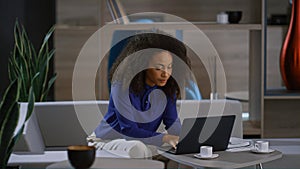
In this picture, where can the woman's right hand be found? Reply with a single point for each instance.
(171, 139)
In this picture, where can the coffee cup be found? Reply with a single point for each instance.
(206, 151)
(234, 16)
(261, 146)
(81, 156)
(222, 18)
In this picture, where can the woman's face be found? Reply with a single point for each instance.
(160, 69)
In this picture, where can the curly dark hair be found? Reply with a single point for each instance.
(141, 47)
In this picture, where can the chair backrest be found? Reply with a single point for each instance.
(119, 40)
(56, 125)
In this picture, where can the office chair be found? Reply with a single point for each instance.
(119, 40)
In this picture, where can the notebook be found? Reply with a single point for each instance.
(212, 131)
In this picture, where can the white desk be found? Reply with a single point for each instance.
(290, 148)
(115, 163)
(225, 159)
(49, 157)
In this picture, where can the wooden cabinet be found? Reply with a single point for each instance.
(248, 51)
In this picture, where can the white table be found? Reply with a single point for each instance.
(49, 157)
(225, 159)
(288, 158)
(104, 163)
(290, 149)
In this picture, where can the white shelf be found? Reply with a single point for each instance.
(282, 97)
(187, 26)
(281, 94)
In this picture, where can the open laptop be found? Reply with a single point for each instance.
(212, 131)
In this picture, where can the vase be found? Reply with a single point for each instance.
(290, 52)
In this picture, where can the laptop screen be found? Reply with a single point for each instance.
(211, 131)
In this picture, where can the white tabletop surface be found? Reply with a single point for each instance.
(118, 163)
(288, 147)
(226, 159)
(56, 156)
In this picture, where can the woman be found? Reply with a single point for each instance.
(146, 80)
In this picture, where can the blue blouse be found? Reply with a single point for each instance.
(137, 117)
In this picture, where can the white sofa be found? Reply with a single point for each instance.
(59, 124)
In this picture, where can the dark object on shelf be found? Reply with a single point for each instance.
(278, 19)
(81, 156)
(290, 52)
(234, 16)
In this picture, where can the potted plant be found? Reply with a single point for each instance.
(31, 66)
(28, 73)
(9, 116)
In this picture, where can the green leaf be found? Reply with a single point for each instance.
(17, 37)
(14, 65)
(50, 83)
(11, 71)
(11, 95)
(9, 112)
(31, 100)
(9, 126)
(36, 86)
(13, 143)
(46, 39)
(44, 75)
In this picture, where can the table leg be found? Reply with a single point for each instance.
(259, 166)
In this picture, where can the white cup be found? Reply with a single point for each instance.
(222, 18)
(206, 151)
(261, 146)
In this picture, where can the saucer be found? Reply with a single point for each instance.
(211, 157)
(262, 152)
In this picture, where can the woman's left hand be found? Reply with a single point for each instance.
(171, 139)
